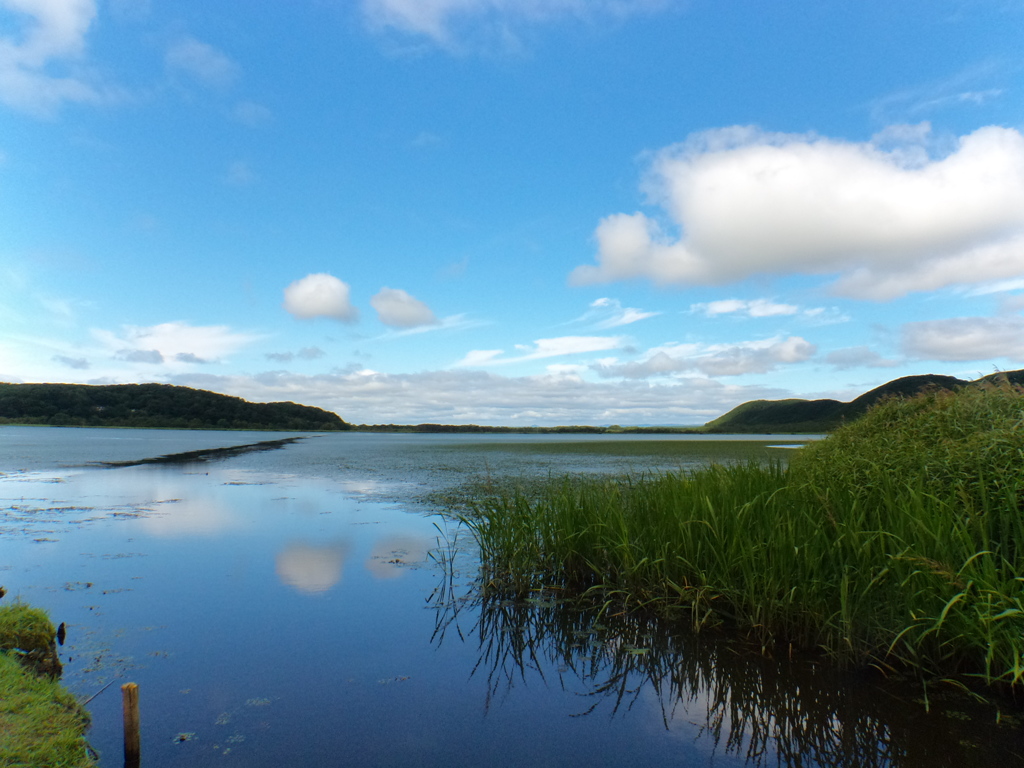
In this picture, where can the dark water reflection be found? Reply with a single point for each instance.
(733, 699)
(308, 607)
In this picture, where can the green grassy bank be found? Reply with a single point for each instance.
(897, 541)
(41, 724)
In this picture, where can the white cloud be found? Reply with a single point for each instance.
(480, 357)
(482, 397)
(711, 359)
(960, 339)
(753, 308)
(446, 22)
(175, 341)
(202, 62)
(887, 220)
(240, 174)
(252, 114)
(320, 295)
(545, 348)
(858, 357)
(1002, 286)
(609, 313)
(398, 309)
(50, 34)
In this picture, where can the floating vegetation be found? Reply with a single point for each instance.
(206, 454)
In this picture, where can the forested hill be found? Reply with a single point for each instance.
(816, 416)
(153, 405)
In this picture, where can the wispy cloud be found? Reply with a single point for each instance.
(710, 359)
(609, 313)
(973, 86)
(202, 62)
(544, 348)
(751, 308)
(450, 323)
(454, 24)
(41, 54)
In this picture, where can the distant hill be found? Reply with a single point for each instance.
(815, 416)
(153, 405)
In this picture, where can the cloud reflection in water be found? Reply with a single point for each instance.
(310, 567)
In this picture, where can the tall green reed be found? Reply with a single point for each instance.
(899, 540)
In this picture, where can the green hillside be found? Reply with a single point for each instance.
(153, 405)
(815, 416)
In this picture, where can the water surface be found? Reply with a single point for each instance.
(308, 606)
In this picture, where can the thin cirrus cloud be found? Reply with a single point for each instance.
(609, 313)
(39, 62)
(751, 308)
(201, 62)
(397, 309)
(885, 216)
(544, 348)
(449, 22)
(711, 359)
(320, 295)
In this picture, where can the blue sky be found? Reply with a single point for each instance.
(511, 211)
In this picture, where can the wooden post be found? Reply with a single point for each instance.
(132, 746)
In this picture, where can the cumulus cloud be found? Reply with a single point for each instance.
(858, 357)
(447, 22)
(711, 359)
(320, 295)
(961, 339)
(178, 342)
(398, 309)
(886, 216)
(753, 308)
(202, 62)
(47, 35)
(544, 348)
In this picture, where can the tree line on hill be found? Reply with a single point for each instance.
(153, 406)
(819, 416)
(168, 406)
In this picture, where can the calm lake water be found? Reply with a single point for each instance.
(309, 606)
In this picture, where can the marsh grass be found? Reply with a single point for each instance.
(41, 723)
(897, 541)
